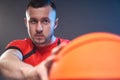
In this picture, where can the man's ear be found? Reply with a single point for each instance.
(25, 20)
(56, 23)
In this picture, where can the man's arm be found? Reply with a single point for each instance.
(12, 67)
(11, 64)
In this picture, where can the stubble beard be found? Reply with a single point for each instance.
(42, 42)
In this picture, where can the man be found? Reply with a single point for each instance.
(23, 58)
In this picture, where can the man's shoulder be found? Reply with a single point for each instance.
(20, 42)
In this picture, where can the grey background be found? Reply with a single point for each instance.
(76, 17)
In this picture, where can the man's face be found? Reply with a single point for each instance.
(41, 23)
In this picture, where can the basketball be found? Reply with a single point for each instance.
(90, 56)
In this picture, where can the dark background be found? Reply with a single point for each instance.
(76, 17)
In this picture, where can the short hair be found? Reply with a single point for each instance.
(41, 3)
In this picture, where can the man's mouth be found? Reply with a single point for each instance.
(39, 36)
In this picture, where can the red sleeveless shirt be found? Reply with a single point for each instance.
(32, 54)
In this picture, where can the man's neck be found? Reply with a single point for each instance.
(53, 39)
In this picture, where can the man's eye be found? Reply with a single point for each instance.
(33, 21)
(45, 21)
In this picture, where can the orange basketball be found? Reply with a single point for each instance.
(90, 56)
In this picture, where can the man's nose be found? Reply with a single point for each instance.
(39, 28)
